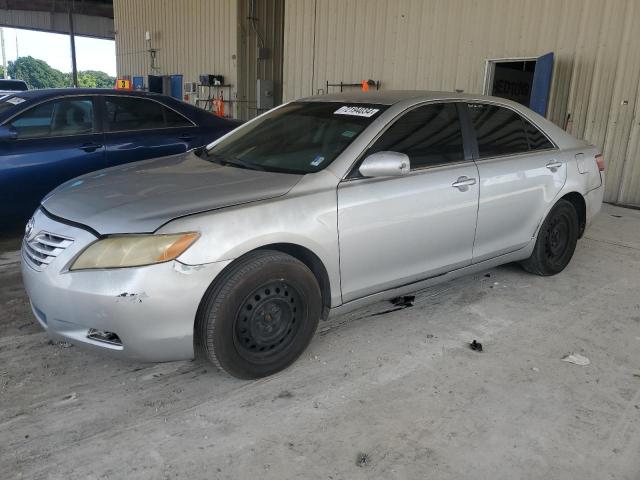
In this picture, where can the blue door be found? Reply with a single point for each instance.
(138, 128)
(541, 85)
(56, 141)
(138, 83)
(176, 86)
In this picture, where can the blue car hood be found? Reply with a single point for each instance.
(142, 196)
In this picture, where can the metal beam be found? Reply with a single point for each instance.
(94, 8)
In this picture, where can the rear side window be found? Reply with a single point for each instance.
(429, 135)
(174, 119)
(130, 113)
(499, 131)
(57, 118)
(537, 139)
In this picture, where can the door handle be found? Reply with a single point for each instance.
(90, 147)
(463, 183)
(553, 166)
(186, 138)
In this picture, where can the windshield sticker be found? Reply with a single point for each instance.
(357, 111)
(15, 100)
(348, 133)
(317, 161)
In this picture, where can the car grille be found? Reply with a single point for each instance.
(40, 250)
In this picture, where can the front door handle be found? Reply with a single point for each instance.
(186, 138)
(553, 166)
(463, 183)
(90, 147)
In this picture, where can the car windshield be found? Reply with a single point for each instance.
(301, 137)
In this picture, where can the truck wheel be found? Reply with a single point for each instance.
(556, 241)
(260, 316)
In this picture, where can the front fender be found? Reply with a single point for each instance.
(309, 221)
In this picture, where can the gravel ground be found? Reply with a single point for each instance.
(377, 395)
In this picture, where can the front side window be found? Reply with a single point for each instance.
(130, 113)
(429, 135)
(301, 137)
(63, 117)
(499, 131)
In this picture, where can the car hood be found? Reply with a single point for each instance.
(142, 196)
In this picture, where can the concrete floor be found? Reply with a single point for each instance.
(402, 388)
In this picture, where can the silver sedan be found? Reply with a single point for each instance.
(323, 205)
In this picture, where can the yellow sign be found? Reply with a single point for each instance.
(123, 84)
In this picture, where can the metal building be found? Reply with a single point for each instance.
(303, 45)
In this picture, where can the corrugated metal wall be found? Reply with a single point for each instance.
(443, 45)
(191, 37)
(269, 24)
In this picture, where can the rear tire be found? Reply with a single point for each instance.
(260, 316)
(556, 241)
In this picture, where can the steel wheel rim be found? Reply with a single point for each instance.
(267, 321)
(557, 238)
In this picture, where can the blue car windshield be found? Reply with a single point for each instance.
(301, 137)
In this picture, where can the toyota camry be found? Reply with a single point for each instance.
(320, 206)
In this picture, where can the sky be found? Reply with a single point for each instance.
(53, 48)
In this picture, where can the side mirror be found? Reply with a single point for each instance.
(385, 164)
(7, 133)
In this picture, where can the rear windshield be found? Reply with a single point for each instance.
(301, 137)
(13, 85)
(7, 102)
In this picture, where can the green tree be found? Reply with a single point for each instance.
(100, 79)
(37, 73)
(86, 80)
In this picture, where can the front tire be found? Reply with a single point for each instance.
(261, 315)
(556, 241)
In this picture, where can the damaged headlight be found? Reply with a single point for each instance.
(133, 250)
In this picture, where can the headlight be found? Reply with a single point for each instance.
(133, 250)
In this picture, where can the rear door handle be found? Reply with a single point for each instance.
(463, 183)
(553, 166)
(90, 147)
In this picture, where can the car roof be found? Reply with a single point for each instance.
(57, 92)
(390, 97)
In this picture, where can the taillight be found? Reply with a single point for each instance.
(600, 162)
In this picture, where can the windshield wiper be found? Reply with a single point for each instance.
(234, 162)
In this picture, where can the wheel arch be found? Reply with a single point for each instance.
(578, 202)
(299, 252)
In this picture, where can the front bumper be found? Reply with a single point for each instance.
(151, 309)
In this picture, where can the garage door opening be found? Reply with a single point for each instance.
(523, 80)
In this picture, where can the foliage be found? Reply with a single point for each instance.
(38, 74)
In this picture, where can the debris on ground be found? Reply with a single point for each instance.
(476, 346)
(404, 301)
(535, 369)
(576, 359)
(285, 394)
(400, 303)
(362, 460)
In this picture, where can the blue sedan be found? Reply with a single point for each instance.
(50, 136)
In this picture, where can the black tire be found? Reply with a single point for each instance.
(556, 241)
(260, 316)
